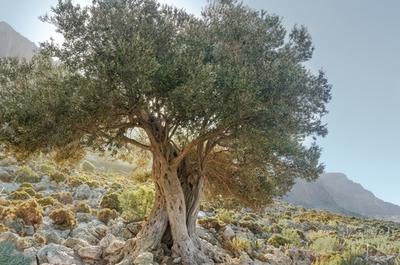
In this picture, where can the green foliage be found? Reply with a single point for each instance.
(57, 176)
(75, 181)
(105, 215)
(28, 190)
(10, 256)
(19, 195)
(294, 236)
(39, 238)
(340, 259)
(226, 216)
(137, 203)
(46, 201)
(237, 245)
(30, 211)
(111, 201)
(26, 174)
(82, 207)
(63, 218)
(232, 74)
(26, 185)
(278, 241)
(325, 245)
(141, 176)
(63, 197)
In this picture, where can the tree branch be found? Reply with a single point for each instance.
(134, 142)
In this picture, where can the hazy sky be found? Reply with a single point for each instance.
(357, 43)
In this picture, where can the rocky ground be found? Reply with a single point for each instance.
(56, 216)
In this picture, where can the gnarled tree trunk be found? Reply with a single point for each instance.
(173, 218)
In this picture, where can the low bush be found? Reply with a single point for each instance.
(19, 195)
(28, 190)
(63, 197)
(111, 201)
(105, 215)
(57, 176)
(63, 218)
(325, 245)
(82, 207)
(237, 245)
(226, 216)
(26, 185)
(26, 174)
(46, 201)
(30, 211)
(137, 203)
(278, 241)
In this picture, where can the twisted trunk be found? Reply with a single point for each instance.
(173, 218)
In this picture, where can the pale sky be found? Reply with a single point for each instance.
(357, 44)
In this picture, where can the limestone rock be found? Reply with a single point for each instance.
(57, 255)
(90, 252)
(145, 258)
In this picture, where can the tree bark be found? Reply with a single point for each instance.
(173, 218)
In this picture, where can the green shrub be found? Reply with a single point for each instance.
(47, 168)
(111, 201)
(46, 201)
(228, 217)
(82, 208)
(339, 259)
(105, 215)
(19, 195)
(57, 176)
(26, 174)
(26, 185)
(278, 241)
(237, 245)
(30, 211)
(75, 181)
(63, 218)
(40, 239)
(141, 176)
(63, 197)
(137, 203)
(115, 187)
(294, 236)
(325, 245)
(30, 191)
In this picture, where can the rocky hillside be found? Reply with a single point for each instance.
(13, 44)
(335, 192)
(52, 215)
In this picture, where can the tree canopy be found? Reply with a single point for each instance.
(228, 90)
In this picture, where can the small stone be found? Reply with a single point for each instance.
(177, 260)
(90, 252)
(57, 254)
(106, 241)
(82, 192)
(145, 258)
(228, 233)
(114, 247)
(75, 243)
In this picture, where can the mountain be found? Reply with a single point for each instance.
(13, 44)
(335, 192)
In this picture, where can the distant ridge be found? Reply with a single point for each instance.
(13, 44)
(335, 192)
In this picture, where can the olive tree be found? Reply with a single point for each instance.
(224, 99)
